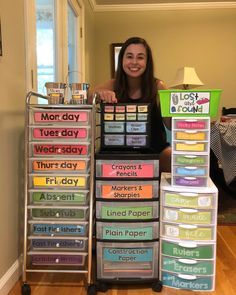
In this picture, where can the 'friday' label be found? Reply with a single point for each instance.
(40, 181)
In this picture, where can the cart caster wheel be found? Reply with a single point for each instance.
(157, 286)
(92, 290)
(102, 287)
(25, 289)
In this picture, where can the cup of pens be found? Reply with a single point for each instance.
(79, 93)
(55, 92)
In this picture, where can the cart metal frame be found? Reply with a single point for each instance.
(26, 290)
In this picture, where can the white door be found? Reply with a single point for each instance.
(54, 42)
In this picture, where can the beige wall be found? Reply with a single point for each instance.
(204, 39)
(12, 87)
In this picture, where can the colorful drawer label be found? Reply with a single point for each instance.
(55, 243)
(190, 135)
(126, 233)
(187, 216)
(127, 212)
(60, 197)
(190, 181)
(55, 165)
(80, 116)
(48, 133)
(187, 282)
(188, 232)
(49, 213)
(188, 200)
(187, 266)
(191, 171)
(57, 259)
(125, 170)
(184, 250)
(114, 139)
(59, 149)
(59, 229)
(114, 127)
(128, 254)
(136, 127)
(136, 140)
(191, 124)
(120, 191)
(69, 181)
(197, 147)
(191, 160)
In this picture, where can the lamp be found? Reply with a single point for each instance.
(186, 78)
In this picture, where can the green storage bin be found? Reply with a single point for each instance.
(186, 103)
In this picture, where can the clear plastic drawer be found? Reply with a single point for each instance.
(187, 215)
(188, 232)
(190, 146)
(190, 160)
(58, 244)
(127, 260)
(195, 135)
(81, 134)
(62, 117)
(136, 231)
(60, 213)
(127, 168)
(46, 228)
(59, 197)
(59, 150)
(188, 249)
(190, 181)
(127, 190)
(127, 210)
(191, 123)
(46, 165)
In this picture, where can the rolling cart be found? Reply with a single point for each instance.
(59, 184)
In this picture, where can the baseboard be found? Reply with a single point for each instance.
(9, 279)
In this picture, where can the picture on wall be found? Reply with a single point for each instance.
(115, 50)
(0, 39)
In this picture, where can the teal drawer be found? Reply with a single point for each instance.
(188, 282)
(190, 250)
(187, 266)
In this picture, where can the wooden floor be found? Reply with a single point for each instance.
(48, 284)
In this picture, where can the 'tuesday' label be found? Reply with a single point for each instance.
(80, 116)
(128, 170)
(60, 133)
(60, 149)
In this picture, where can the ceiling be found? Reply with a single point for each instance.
(131, 5)
(135, 2)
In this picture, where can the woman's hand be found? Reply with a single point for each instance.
(107, 96)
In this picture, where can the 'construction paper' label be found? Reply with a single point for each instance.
(128, 254)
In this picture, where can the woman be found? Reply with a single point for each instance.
(135, 82)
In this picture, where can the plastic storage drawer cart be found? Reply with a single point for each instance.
(127, 219)
(59, 169)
